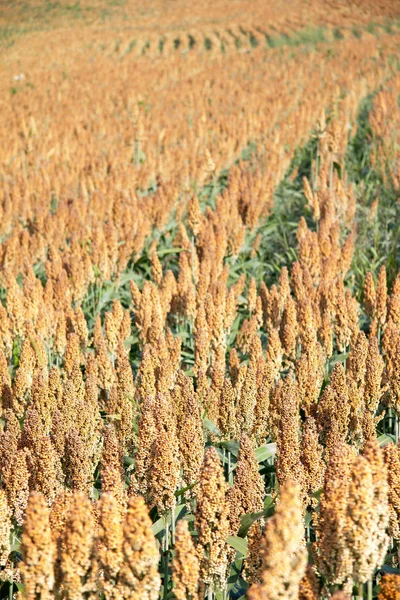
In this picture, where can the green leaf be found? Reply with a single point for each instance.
(268, 504)
(179, 511)
(170, 251)
(15, 546)
(247, 521)
(130, 340)
(317, 494)
(340, 358)
(338, 169)
(388, 569)
(239, 544)
(385, 439)
(159, 525)
(208, 424)
(185, 489)
(307, 519)
(268, 469)
(265, 452)
(232, 447)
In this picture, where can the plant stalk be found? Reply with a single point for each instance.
(370, 589)
(172, 527)
(11, 588)
(166, 559)
(360, 591)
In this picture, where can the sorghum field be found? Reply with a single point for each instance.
(200, 300)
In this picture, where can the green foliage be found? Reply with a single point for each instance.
(378, 237)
